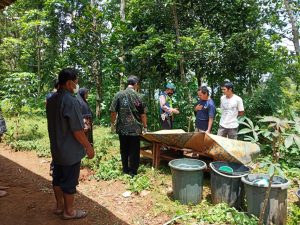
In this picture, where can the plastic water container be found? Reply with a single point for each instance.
(187, 180)
(256, 188)
(226, 185)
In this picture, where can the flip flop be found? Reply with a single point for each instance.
(79, 214)
(3, 193)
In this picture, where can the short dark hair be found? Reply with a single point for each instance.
(132, 80)
(228, 85)
(66, 74)
(204, 90)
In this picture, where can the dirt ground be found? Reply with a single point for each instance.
(31, 199)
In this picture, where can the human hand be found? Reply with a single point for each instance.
(175, 111)
(90, 152)
(145, 130)
(113, 128)
(198, 107)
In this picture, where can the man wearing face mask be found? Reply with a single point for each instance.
(166, 107)
(68, 143)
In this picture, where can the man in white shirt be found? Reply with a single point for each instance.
(232, 107)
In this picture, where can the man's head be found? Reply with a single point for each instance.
(227, 88)
(133, 81)
(170, 89)
(67, 79)
(56, 85)
(203, 93)
(83, 92)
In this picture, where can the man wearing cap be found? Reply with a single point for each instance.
(166, 109)
(128, 113)
(232, 107)
(68, 143)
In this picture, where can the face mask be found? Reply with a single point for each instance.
(76, 89)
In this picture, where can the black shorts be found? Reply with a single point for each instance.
(66, 177)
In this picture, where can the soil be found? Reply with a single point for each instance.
(30, 198)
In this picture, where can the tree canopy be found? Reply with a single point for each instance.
(188, 42)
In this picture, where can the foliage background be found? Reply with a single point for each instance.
(187, 42)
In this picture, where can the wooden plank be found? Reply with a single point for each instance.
(147, 153)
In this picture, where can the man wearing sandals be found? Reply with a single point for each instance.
(68, 143)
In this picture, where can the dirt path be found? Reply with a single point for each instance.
(30, 200)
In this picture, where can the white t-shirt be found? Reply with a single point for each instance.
(230, 110)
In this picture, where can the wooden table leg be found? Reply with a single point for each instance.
(153, 154)
(157, 155)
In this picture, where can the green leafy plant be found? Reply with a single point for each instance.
(221, 213)
(109, 169)
(277, 136)
(249, 128)
(294, 213)
(139, 183)
(19, 87)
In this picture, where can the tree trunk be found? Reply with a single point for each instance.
(176, 25)
(96, 71)
(263, 210)
(295, 28)
(198, 76)
(98, 80)
(38, 61)
(122, 57)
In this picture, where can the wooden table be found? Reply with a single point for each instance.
(157, 154)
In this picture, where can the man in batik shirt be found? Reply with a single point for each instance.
(128, 114)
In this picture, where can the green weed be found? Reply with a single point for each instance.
(139, 183)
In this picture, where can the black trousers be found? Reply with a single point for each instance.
(130, 153)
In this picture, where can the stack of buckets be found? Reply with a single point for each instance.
(227, 181)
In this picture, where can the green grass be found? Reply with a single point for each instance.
(107, 166)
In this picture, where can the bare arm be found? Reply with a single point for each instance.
(113, 116)
(210, 122)
(241, 113)
(144, 120)
(82, 139)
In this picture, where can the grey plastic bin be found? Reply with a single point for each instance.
(187, 180)
(276, 211)
(227, 187)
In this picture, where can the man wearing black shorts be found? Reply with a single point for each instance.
(68, 143)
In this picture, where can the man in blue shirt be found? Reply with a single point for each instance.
(205, 111)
